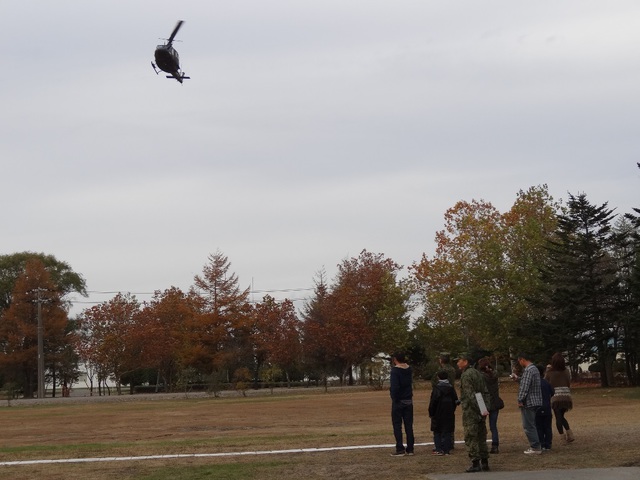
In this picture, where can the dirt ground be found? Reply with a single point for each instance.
(606, 424)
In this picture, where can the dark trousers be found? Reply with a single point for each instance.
(561, 422)
(545, 432)
(443, 441)
(402, 413)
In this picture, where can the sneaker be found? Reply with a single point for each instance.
(532, 451)
(439, 454)
(398, 454)
(409, 454)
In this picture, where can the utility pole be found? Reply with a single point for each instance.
(40, 345)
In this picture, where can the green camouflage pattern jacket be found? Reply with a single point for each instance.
(471, 382)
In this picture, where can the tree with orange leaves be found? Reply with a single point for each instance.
(19, 326)
(364, 313)
(220, 333)
(164, 329)
(276, 335)
(108, 339)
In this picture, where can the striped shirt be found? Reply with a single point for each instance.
(529, 392)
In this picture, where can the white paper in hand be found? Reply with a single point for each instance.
(481, 404)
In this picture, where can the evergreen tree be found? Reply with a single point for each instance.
(582, 287)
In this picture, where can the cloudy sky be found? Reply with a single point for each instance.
(309, 131)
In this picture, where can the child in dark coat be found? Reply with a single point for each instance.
(543, 415)
(442, 407)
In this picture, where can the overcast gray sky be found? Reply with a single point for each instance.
(309, 130)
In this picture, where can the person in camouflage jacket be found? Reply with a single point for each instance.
(473, 420)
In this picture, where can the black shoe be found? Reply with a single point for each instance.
(494, 449)
(399, 453)
(484, 464)
(475, 467)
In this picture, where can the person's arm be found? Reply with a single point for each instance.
(468, 393)
(525, 384)
(394, 384)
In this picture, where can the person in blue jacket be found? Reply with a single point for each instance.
(543, 415)
(401, 391)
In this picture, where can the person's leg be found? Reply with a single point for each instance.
(471, 441)
(396, 421)
(559, 414)
(540, 429)
(438, 442)
(407, 418)
(565, 423)
(483, 451)
(447, 442)
(493, 426)
(529, 426)
(548, 431)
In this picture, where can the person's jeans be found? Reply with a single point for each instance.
(493, 426)
(529, 425)
(443, 441)
(402, 413)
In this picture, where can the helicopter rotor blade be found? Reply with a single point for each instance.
(175, 31)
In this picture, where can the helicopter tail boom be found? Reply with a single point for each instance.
(179, 78)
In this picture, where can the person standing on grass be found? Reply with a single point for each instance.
(493, 385)
(401, 391)
(529, 401)
(442, 407)
(444, 362)
(560, 379)
(473, 420)
(543, 415)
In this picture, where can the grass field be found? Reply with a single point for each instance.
(606, 424)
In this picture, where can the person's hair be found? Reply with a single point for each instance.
(524, 355)
(444, 358)
(484, 364)
(443, 375)
(557, 362)
(400, 357)
(542, 369)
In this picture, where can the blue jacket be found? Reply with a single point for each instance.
(401, 389)
(547, 393)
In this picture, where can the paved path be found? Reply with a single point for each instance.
(622, 473)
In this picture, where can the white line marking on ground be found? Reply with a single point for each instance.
(197, 455)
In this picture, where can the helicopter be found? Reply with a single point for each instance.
(167, 58)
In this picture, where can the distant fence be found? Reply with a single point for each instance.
(206, 387)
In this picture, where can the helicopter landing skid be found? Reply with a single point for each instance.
(155, 69)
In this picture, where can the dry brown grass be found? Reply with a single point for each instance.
(606, 424)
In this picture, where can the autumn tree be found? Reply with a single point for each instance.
(61, 275)
(475, 289)
(317, 335)
(276, 335)
(460, 285)
(108, 340)
(526, 229)
(164, 328)
(220, 336)
(19, 326)
(365, 312)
